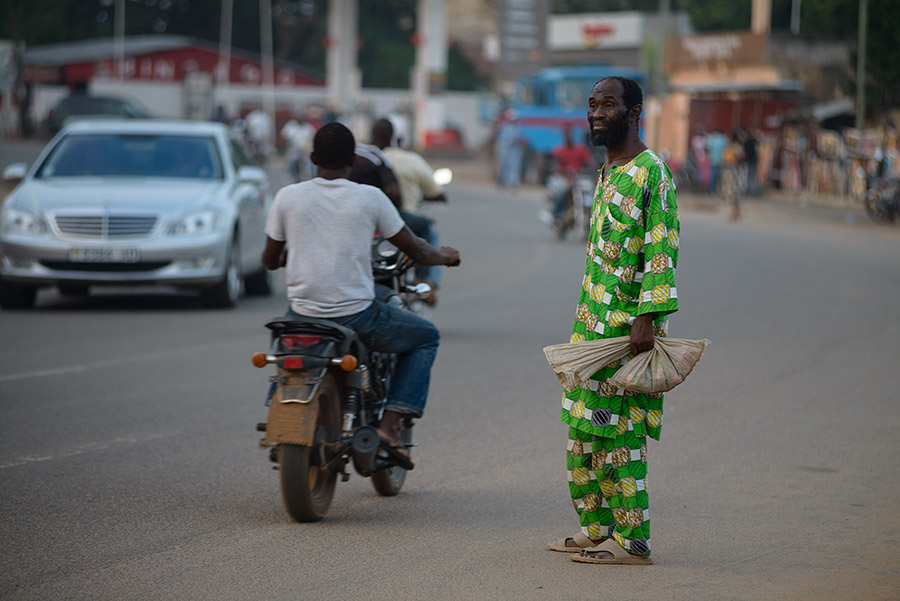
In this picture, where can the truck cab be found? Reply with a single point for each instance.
(554, 98)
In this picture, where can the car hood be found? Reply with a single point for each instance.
(168, 196)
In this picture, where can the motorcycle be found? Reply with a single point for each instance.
(579, 197)
(328, 396)
(882, 202)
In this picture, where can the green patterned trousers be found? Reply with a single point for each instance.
(608, 483)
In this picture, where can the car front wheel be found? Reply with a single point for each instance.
(227, 291)
(16, 296)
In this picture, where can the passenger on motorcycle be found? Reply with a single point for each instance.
(569, 159)
(321, 231)
(373, 167)
(416, 179)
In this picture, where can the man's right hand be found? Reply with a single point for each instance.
(421, 252)
(451, 256)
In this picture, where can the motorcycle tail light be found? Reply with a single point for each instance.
(293, 363)
(294, 340)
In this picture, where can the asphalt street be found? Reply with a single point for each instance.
(129, 466)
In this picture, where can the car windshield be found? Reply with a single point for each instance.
(133, 155)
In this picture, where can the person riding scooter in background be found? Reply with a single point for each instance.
(568, 161)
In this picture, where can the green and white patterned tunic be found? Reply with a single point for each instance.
(631, 257)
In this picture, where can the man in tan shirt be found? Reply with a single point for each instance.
(416, 178)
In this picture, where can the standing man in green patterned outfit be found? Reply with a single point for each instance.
(628, 290)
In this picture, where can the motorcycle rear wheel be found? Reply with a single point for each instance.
(307, 489)
(388, 482)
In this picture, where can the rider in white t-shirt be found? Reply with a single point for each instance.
(326, 226)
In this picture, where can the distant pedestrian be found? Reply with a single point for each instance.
(298, 134)
(751, 162)
(715, 147)
(509, 149)
(732, 186)
(260, 133)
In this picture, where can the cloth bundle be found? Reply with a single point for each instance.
(657, 370)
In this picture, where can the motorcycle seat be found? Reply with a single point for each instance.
(280, 326)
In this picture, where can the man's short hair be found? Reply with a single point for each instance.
(632, 93)
(334, 146)
(382, 129)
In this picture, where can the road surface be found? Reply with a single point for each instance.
(129, 466)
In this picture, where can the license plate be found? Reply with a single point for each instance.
(104, 255)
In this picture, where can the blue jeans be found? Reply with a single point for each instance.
(388, 329)
(424, 228)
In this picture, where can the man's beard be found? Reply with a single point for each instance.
(616, 132)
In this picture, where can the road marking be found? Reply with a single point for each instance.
(87, 448)
(79, 368)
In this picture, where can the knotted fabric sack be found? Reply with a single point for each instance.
(657, 370)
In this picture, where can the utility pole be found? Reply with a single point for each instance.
(223, 71)
(342, 76)
(795, 17)
(861, 65)
(268, 63)
(761, 17)
(119, 43)
(664, 12)
(430, 79)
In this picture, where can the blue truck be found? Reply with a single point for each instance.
(554, 98)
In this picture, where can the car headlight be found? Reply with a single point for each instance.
(203, 222)
(18, 221)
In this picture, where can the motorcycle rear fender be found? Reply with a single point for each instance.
(294, 408)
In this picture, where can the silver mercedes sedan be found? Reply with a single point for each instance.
(112, 202)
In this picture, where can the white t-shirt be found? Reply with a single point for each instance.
(328, 227)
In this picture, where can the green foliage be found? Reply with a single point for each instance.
(599, 6)
(461, 74)
(387, 54)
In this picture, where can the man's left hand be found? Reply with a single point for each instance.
(642, 333)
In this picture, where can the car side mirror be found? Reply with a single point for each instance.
(252, 175)
(15, 173)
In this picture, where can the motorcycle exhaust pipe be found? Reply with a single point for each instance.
(365, 443)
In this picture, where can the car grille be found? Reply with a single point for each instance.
(106, 226)
(108, 267)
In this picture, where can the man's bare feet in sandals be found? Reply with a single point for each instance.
(570, 542)
(389, 431)
(610, 552)
(573, 544)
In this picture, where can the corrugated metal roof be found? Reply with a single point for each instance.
(86, 51)
(89, 51)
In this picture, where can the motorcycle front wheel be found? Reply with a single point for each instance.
(306, 488)
(388, 482)
(876, 208)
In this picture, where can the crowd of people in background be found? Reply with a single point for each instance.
(796, 157)
(290, 131)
